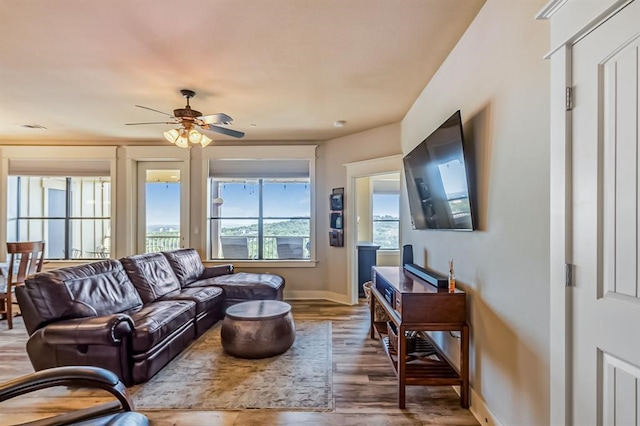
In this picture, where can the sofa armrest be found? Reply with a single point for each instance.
(103, 330)
(215, 271)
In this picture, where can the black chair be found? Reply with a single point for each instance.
(115, 413)
(289, 247)
(235, 247)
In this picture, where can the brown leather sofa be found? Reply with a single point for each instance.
(133, 315)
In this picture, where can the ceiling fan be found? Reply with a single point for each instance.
(189, 119)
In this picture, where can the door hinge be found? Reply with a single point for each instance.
(568, 101)
(568, 275)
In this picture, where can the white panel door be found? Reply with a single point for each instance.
(605, 342)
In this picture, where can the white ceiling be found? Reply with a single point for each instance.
(283, 69)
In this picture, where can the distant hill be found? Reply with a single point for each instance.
(163, 229)
(290, 228)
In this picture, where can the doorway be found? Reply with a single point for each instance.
(163, 219)
(358, 174)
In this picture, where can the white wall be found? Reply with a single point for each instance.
(497, 77)
(331, 173)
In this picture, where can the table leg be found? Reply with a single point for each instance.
(464, 366)
(372, 307)
(402, 366)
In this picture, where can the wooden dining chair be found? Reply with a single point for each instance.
(25, 258)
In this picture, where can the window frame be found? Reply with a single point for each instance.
(58, 161)
(261, 219)
(141, 207)
(374, 221)
(67, 218)
(261, 152)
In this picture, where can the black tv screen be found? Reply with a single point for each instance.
(437, 178)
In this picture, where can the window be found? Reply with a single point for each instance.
(385, 204)
(262, 218)
(261, 209)
(71, 214)
(259, 203)
(162, 206)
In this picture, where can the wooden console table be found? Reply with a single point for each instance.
(415, 305)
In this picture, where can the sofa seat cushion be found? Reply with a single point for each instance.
(156, 321)
(207, 299)
(243, 285)
(151, 274)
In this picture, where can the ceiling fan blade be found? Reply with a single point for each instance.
(153, 122)
(224, 131)
(219, 118)
(155, 110)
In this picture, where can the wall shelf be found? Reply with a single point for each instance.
(336, 217)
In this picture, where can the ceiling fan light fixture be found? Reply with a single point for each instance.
(190, 121)
(195, 136)
(205, 140)
(182, 137)
(182, 141)
(172, 135)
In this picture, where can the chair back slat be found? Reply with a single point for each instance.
(26, 259)
(28, 256)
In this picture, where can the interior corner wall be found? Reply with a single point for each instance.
(331, 274)
(497, 77)
(332, 156)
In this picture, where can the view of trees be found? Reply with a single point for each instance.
(288, 228)
(166, 237)
(386, 232)
(162, 238)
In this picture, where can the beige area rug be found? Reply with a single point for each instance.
(203, 377)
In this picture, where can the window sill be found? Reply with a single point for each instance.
(247, 264)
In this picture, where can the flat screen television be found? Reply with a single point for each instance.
(438, 184)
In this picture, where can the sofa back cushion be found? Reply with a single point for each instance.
(186, 264)
(151, 275)
(94, 289)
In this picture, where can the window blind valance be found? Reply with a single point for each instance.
(264, 168)
(386, 186)
(53, 167)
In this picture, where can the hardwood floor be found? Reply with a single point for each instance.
(364, 384)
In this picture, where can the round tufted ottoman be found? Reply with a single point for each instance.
(258, 329)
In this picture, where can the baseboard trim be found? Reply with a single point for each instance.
(479, 409)
(317, 295)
